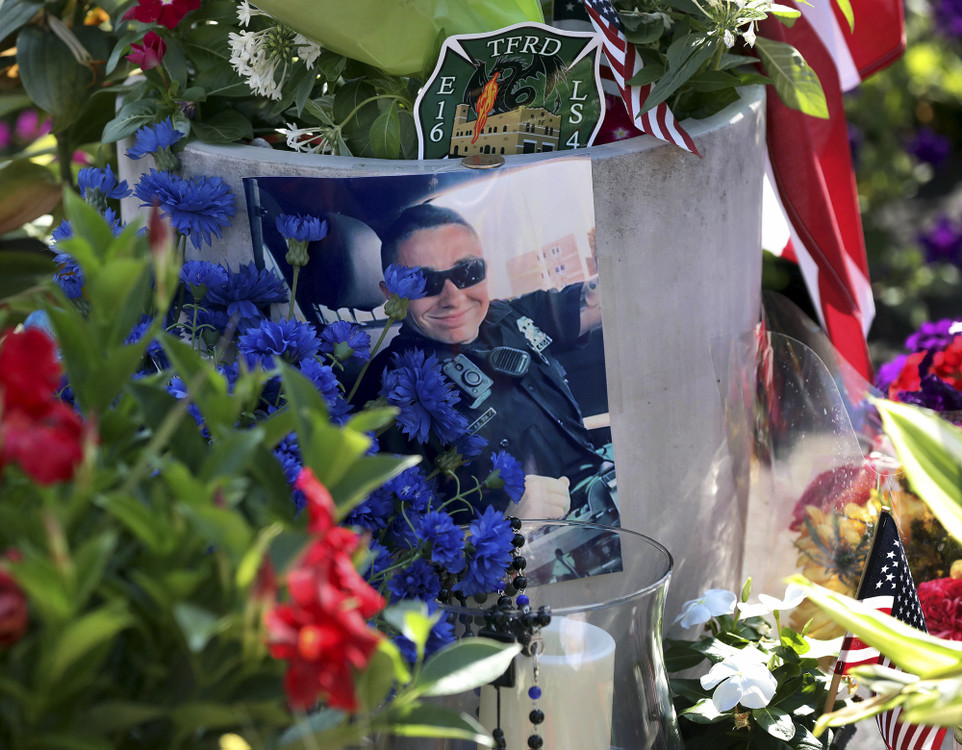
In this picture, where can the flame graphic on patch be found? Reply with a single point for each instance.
(485, 104)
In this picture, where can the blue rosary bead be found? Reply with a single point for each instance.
(522, 600)
(534, 692)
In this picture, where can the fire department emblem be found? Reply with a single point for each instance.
(528, 88)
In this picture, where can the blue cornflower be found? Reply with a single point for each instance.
(425, 397)
(344, 340)
(446, 540)
(178, 389)
(97, 185)
(116, 225)
(491, 536)
(63, 231)
(301, 227)
(506, 472)
(374, 513)
(198, 207)
(380, 560)
(470, 445)
(246, 291)
(417, 581)
(200, 277)
(156, 139)
(288, 455)
(413, 489)
(290, 340)
(154, 350)
(407, 283)
(324, 379)
(69, 275)
(442, 633)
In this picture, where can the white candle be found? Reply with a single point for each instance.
(576, 677)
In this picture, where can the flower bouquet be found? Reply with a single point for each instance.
(199, 535)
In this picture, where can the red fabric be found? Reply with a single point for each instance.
(813, 173)
(878, 38)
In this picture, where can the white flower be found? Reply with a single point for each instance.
(245, 12)
(729, 39)
(749, 35)
(712, 603)
(307, 50)
(794, 594)
(306, 140)
(741, 678)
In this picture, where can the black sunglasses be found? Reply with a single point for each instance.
(464, 274)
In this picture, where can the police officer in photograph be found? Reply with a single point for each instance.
(501, 354)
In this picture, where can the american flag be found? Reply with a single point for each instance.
(813, 216)
(623, 64)
(887, 586)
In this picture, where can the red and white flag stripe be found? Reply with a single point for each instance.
(899, 736)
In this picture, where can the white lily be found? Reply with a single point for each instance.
(794, 595)
(712, 603)
(741, 678)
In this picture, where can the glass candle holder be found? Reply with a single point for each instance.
(601, 673)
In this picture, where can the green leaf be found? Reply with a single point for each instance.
(323, 721)
(386, 134)
(197, 624)
(910, 649)
(434, 721)
(805, 740)
(27, 190)
(16, 13)
(80, 637)
(930, 450)
(703, 712)
(644, 29)
(796, 83)
(375, 682)
(647, 74)
(90, 560)
(685, 56)
(140, 519)
(412, 620)
(111, 716)
(133, 115)
(23, 272)
(225, 126)
(713, 80)
(465, 665)
(775, 721)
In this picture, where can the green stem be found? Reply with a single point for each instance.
(290, 310)
(377, 346)
(367, 101)
(64, 156)
(716, 58)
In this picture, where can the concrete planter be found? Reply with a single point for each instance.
(678, 248)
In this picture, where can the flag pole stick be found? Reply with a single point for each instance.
(837, 676)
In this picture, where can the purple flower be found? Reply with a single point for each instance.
(406, 283)
(417, 581)
(943, 242)
(198, 207)
(69, 275)
(888, 372)
(930, 147)
(446, 541)
(290, 340)
(510, 475)
(948, 15)
(934, 393)
(931, 335)
(151, 139)
(425, 397)
(344, 340)
(491, 536)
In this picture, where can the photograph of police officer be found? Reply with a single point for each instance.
(502, 354)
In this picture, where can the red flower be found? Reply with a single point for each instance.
(165, 12)
(29, 371)
(149, 54)
(941, 602)
(909, 379)
(13, 611)
(37, 431)
(947, 364)
(323, 631)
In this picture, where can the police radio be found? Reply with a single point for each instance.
(469, 378)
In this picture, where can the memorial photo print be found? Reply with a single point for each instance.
(510, 321)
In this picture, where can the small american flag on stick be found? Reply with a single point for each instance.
(887, 586)
(624, 63)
